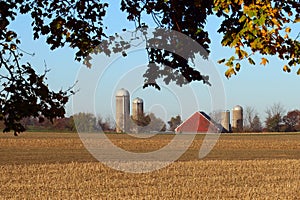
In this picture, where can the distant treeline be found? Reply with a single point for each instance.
(88, 122)
(277, 119)
(85, 121)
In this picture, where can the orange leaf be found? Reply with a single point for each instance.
(264, 61)
(286, 68)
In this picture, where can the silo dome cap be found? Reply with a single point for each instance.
(122, 92)
(137, 100)
(238, 107)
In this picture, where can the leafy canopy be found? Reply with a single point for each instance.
(250, 27)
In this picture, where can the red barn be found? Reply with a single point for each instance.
(200, 122)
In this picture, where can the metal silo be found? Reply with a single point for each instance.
(237, 118)
(122, 110)
(225, 120)
(137, 108)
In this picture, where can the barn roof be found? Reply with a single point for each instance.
(200, 122)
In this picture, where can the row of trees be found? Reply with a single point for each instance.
(82, 121)
(88, 122)
(277, 120)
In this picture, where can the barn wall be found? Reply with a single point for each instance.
(197, 123)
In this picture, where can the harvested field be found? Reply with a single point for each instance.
(57, 166)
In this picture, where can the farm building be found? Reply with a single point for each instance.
(200, 122)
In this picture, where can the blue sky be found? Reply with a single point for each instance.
(257, 86)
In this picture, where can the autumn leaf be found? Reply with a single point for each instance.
(221, 61)
(286, 69)
(264, 61)
(288, 30)
(13, 47)
(237, 66)
(230, 72)
(251, 61)
(298, 72)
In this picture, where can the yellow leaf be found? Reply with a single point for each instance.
(288, 30)
(230, 72)
(292, 55)
(275, 22)
(237, 66)
(298, 72)
(264, 61)
(286, 36)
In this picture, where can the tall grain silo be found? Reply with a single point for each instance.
(225, 120)
(122, 110)
(237, 118)
(137, 108)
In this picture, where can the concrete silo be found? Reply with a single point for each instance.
(225, 120)
(237, 118)
(122, 110)
(137, 108)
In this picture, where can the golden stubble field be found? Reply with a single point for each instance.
(57, 166)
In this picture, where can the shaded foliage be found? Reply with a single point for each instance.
(156, 124)
(147, 123)
(85, 122)
(274, 117)
(106, 124)
(24, 93)
(273, 123)
(256, 125)
(252, 121)
(174, 122)
(65, 124)
(292, 120)
(141, 120)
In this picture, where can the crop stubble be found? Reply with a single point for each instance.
(36, 166)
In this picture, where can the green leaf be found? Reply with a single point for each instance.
(262, 20)
(243, 18)
(252, 13)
